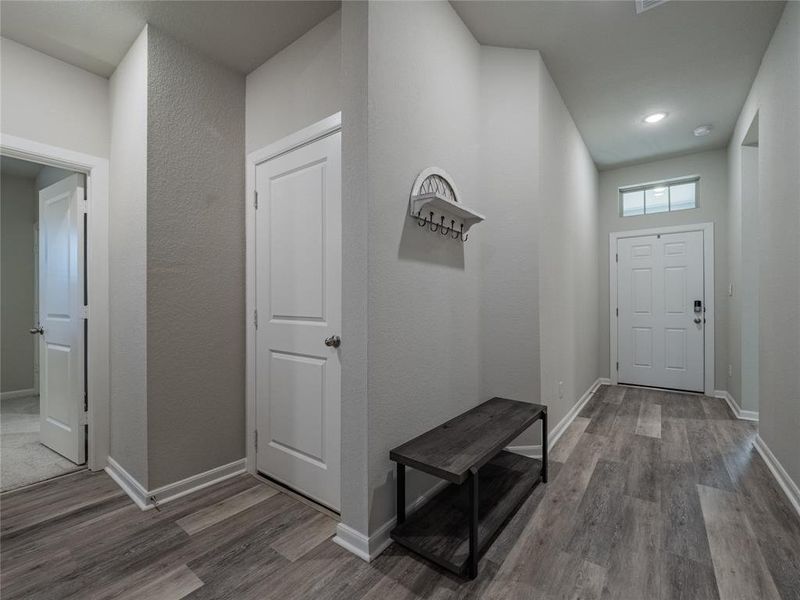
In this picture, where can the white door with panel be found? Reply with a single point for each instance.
(298, 264)
(661, 305)
(61, 318)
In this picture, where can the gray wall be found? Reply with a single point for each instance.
(568, 269)
(424, 291)
(355, 206)
(509, 169)
(195, 262)
(18, 201)
(712, 200)
(49, 101)
(297, 87)
(128, 262)
(513, 310)
(775, 95)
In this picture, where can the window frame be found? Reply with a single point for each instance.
(668, 183)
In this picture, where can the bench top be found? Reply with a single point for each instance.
(469, 440)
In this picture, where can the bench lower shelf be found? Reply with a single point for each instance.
(439, 530)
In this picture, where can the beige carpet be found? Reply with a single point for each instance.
(23, 460)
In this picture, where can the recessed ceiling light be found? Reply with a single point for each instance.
(655, 117)
(703, 130)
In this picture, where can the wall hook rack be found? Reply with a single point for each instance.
(434, 194)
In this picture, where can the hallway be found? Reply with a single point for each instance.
(651, 493)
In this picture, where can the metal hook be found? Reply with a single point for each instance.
(455, 235)
(433, 226)
(464, 238)
(442, 229)
(421, 221)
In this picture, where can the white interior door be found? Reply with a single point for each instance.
(660, 335)
(298, 300)
(61, 318)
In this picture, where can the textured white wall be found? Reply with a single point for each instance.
(128, 261)
(424, 290)
(49, 101)
(299, 86)
(18, 200)
(712, 207)
(195, 262)
(775, 96)
(509, 169)
(568, 262)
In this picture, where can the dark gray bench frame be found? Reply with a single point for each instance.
(456, 451)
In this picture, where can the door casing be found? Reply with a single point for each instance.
(708, 290)
(97, 368)
(300, 138)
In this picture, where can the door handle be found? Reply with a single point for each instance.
(333, 342)
(698, 320)
(38, 330)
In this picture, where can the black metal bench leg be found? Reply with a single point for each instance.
(544, 447)
(401, 493)
(473, 524)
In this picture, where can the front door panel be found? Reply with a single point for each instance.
(659, 280)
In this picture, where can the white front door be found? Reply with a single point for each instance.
(298, 300)
(661, 325)
(61, 318)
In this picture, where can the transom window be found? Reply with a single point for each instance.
(651, 198)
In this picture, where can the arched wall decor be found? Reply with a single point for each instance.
(435, 203)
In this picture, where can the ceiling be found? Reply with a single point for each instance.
(694, 60)
(95, 35)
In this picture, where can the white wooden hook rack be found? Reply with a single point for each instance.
(434, 203)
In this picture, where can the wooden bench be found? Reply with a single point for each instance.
(456, 527)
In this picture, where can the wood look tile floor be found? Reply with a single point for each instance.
(651, 495)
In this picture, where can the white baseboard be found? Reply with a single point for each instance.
(788, 486)
(744, 415)
(147, 499)
(369, 548)
(129, 485)
(17, 394)
(557, 431)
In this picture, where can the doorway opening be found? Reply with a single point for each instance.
(43, 372)
(662, 307)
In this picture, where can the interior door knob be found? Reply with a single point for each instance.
(698, 320)
(333, 342)
(38, 330)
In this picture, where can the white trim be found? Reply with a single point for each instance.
(535, 451)
(184, 487)
(369, 548)
(128, 484)
(305, 136)
(708, 288)
(788, 486)
(744, 415)
(17, 394)
(147, 499)
(96, 170)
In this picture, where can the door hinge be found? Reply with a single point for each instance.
(255, 318)
(617, 311)
(85, 311)
(616, 257)
(617, 365)
(84, 418)
(84, 204)
(255, 199)
(255, 438)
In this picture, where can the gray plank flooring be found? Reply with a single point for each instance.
(652, 494)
